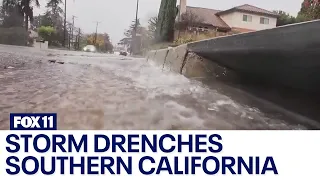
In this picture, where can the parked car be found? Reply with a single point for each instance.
(90, 48)
(123, 53)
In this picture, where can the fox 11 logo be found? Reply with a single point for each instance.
(37, 121)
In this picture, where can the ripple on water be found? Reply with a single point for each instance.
(105, 92)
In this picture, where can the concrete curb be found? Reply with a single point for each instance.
(183, 61)
(175, 59)
(158, 57)
(150, 55)
(169, 59)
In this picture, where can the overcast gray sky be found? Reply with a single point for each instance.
(116, 15)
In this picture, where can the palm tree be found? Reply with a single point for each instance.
(27, 9)
(54, 5)
(55, 11)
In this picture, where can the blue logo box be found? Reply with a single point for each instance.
(33, 121)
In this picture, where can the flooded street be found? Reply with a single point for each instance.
(102, 91)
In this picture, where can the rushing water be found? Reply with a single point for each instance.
(100, 91)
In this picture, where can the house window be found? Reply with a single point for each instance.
(203, 29)
(264, 20)
(247, 18)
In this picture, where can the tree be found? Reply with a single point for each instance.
(284, 18)
(55, 6)
(47, 33)
(152, 27)
(19, 9)
(129, 33)
(103, 42)
(11, 14)
(188, 19)
(144, 36)
(41, 20)
(1, 16)
(27, 10)
(55, 12)
(310, 10)
(53, 17)
(166, 21)
(125, 42)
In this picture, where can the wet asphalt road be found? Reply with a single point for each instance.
(100, 91)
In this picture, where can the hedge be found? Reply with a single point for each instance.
(13, 36)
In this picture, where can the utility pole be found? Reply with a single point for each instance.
(96, 35)
(134, 37)
(72, 38)
(69, 44)
(39, 21)
(179, 19)
(79, 36)
(65, 23)
(136, 25)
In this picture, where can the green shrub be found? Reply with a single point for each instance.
(47, 33)
(191, 37)
(13, 36)
(184, 39)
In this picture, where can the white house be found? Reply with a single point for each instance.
(244, 18)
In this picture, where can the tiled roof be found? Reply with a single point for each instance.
(249, 8)
(211, 16)
(208, 16)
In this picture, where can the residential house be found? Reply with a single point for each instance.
(244, 18)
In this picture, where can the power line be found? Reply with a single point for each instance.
(65, 23)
